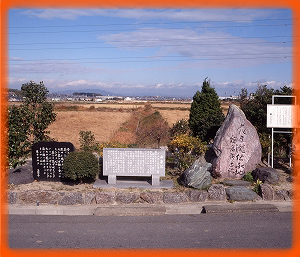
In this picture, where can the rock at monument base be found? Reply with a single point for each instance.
(282, 195)
(240, 193)
(216, 192)
(72, 198)
(197, 195)
(12, 197)
(236, 145)
(41, 196)
(105, 197)
(151, 197)
(267, 192)
(127, 197)
(175, 197)
(266, 175)
(198, 175)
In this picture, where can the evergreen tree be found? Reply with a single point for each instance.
(206, 114)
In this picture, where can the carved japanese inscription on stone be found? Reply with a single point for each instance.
(133, 161)
(48, 158)
(237, 152)
(236, 145)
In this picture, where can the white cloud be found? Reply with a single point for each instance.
(84, 84)
(236, 86)
(16, 80)
(240, 15)
(209, 49)
(67, 14)
(44, 66)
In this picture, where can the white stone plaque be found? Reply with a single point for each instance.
(133, 162)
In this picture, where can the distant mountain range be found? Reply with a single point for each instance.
(96, 91)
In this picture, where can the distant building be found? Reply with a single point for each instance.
(56, 99)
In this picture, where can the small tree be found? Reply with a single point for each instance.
(18, 136)
(206, 113)
(40, 113)
(180, 127)
(88, 142)
(28, 122)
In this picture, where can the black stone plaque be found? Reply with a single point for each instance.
(48, 158)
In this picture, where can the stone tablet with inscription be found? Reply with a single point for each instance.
(133, 162)
(48, 158)
(236, 145)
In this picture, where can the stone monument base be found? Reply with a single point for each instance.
(130, 182)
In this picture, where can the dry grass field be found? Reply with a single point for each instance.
(103, 125)
(172, 116)
(124, 105)
(106, 118)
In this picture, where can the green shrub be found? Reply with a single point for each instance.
(80, 166)
(248, 177)
(180, 127)
(186, 150)
(88, 142)
(256, 186)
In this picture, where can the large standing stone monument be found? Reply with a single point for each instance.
(236, 145)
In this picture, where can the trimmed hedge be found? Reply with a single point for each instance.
(81, 165)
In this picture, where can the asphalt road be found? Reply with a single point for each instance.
(221, 231)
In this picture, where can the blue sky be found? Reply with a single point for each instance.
(151, 51)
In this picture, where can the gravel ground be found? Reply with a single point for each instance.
(22, 174)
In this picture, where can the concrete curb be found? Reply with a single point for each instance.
(146, 209)
(240, 208)
(143, 210)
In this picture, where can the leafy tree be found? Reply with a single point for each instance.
(28, 122)
(18, 136)
(255, 106)
(206, 113)
(40, 113)
(255, 109)
(180, 127)
(88, 142)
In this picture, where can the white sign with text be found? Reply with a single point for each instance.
(283, 116)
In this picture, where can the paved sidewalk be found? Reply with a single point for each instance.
(149, 209)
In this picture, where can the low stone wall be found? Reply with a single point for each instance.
(216, 192)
